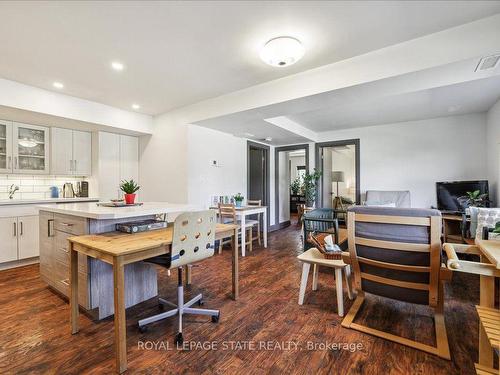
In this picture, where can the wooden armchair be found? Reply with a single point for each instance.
(396, 253)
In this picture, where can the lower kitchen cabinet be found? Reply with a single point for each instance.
(19, 238)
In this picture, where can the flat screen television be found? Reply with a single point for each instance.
(449, 192)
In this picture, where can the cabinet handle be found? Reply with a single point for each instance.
(15, 229)
(64, 249)
(21, 229)
(16, 164)
(50, 228)
(67, 224)
(65, 282)
(10, 162)
(74, 165)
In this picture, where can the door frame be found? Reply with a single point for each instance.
(319, 165)
(267, 153)
(277, 150)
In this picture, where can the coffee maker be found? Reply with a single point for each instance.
(82, 189)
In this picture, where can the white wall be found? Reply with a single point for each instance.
(296, 161)
(205, 180)
(415, 155)
(493, 139)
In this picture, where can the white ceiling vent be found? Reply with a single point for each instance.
(488, 62)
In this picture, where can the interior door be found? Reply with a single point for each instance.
(62, 151)
(30, 149)
(82, 153)
(8, 234)
(5, 147)
(257, 175)
(28, 236)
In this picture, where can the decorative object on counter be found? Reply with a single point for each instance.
(68, 191)
(141, 226)
(129, 188)
(118, 203)
(238, 199)
(54, 192)
(12, 190)
(310, 183)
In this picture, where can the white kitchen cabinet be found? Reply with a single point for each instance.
(27, 237)
(82, 153)
(5, 146)
(8, 234)
(30, 149)
(118, 159)
(71, 152)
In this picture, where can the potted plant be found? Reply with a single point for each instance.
(309, 187)
(129, 188)
(474, 199)
(238, 199)
(295, 186)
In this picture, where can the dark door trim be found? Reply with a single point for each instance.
(277, 150)
(267, 153)
(345, 142)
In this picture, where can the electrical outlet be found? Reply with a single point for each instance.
(214, 163)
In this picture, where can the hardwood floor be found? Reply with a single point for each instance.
(35, 331)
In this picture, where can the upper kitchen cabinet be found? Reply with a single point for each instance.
(30, 149)
(71, 152)
(117, 159)
(5, 147)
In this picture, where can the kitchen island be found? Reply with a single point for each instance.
(95, 292)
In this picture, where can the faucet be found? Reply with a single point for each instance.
(12, 189)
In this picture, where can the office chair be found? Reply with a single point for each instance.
(192, 241)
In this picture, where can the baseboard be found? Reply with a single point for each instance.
(279, 226)
(18, 263)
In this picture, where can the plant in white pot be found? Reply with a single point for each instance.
(238, 199)
(129, 188)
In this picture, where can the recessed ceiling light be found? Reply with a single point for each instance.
(249, 135)
(136, 106)
(58, 85)
(116, 65)
(269, 139)
(282, 51)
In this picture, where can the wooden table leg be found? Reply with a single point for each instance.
(234, 246)
(487, 299)
(120, 326)
(73, 296)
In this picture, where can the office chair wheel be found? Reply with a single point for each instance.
(143, 329)
(160, 306)
(215, 318)
(178, 339)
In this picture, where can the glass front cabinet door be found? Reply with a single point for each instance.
(5, 146)
(30, 149)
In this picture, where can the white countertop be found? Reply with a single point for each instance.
(93, 211)
(9, 202)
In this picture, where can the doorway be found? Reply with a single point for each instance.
(291, 164)
(258, 173)
(339, 185)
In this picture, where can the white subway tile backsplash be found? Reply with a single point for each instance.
(33, 187)
(25, 189)
(33, 196)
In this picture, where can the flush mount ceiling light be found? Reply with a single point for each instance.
(58, 85)
(118, 66)
(136, 106)
(282, 51)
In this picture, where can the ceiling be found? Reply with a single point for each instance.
(179, 53)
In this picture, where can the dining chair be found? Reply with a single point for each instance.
(257, 202)
(396, 253)
(227, 215)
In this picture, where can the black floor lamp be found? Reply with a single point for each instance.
(338, 176)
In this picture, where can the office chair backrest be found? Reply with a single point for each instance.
(396, 252)
(193, 237)
(227, 213)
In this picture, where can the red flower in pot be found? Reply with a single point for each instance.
(129, 188)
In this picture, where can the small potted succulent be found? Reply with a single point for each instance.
(238, 199)
(129, 188)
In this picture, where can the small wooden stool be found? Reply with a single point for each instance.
(313, 256)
